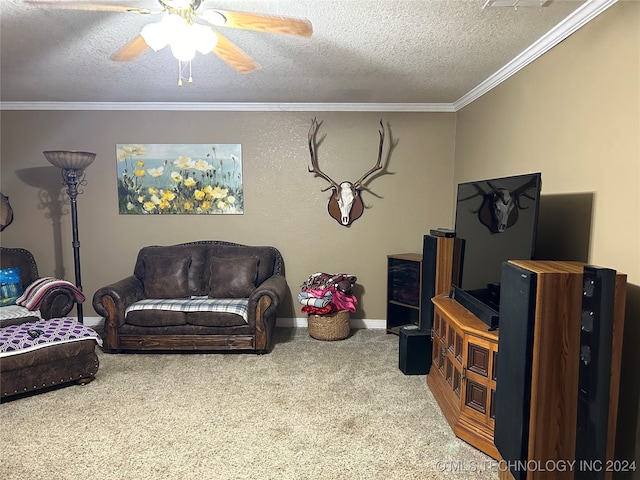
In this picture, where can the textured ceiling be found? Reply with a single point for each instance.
(361, 51)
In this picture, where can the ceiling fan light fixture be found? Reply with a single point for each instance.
(184, 38)
(203, 38)
(154, 35)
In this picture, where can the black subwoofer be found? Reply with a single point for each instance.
(414, 351)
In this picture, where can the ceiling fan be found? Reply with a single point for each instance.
(187, 29)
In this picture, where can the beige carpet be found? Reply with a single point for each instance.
(307, 410)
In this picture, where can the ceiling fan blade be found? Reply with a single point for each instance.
(233, 56)
(98, 7)
(131, 50)
(263, 23)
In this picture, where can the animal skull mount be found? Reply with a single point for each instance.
(345, 203)
(499, 208)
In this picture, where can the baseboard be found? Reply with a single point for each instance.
(358, 323)
(92, 321)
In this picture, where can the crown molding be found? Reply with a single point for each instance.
(581, 16)
(232, 107)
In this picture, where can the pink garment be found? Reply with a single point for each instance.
(344, 301)
(319, 311)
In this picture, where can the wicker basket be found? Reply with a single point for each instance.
(334, 326)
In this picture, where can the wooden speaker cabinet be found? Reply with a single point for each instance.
(542, 358)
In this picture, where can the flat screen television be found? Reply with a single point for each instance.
(496, 221)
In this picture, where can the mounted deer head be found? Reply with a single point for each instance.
(345, 204)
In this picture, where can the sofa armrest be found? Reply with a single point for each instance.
(275, 288)
(112, 301)
(57, 302)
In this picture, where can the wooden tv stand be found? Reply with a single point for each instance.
(463, 372)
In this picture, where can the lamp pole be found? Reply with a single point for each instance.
(72, 164)
(72, 177)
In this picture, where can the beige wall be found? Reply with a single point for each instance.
(574, 116)
(284, 206)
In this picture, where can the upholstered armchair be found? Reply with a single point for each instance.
(56, 302)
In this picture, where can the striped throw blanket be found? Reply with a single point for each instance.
(35, 293)
(237, 306)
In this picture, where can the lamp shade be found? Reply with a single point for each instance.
(69, 158)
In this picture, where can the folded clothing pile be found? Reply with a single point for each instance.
(325, 293)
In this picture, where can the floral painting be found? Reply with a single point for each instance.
(157, 179)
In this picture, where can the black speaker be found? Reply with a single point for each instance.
(429, 261)
(513, 385)
(594, 371)
(414, 351)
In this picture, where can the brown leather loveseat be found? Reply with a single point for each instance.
(204, 295)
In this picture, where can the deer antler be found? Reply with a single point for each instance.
(314, 159)
(358, 184)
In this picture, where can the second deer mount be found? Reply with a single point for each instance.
(345, 203)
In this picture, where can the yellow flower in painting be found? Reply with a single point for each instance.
(140, 199)
(167, 195)
(206, 205)
(202, 165)
(176, 177)
(164, 204)
(155, 172)
(140, 163)
(189, 182)
(139, 173)
(149, 206)
(152, 191)
(184, 163)
(198, 194)
(219, 192)
(130, 206)
(188, 205)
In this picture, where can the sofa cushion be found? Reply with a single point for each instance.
(266, 258)
(15, 314)
(166, 276)
(155, 318)
(233, 277)
(203, 311)
(198, 277)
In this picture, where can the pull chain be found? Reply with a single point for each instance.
(181, 69)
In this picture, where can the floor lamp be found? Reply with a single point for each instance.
(73, 164)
